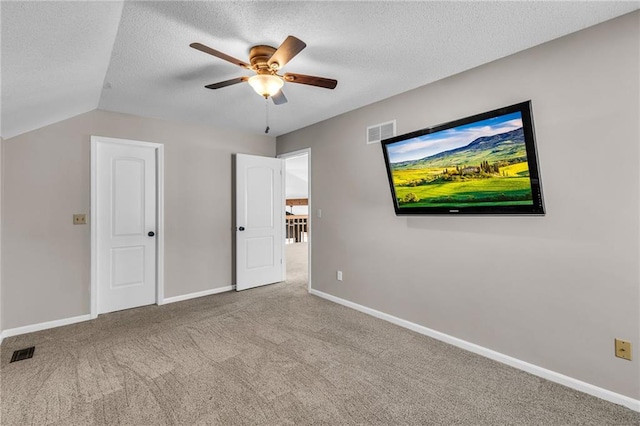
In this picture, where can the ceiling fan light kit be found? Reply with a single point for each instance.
(266, 84)
(266, 61)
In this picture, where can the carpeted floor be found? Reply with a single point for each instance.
(274, 355)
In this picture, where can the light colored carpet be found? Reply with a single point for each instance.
(274, 355)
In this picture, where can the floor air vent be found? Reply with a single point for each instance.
(381, 131)
(21, 354)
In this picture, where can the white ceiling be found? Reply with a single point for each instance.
(60, 59)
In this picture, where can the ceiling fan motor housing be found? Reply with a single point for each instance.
(259, 58)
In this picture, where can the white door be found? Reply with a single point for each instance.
(126, 225)
(259, 221)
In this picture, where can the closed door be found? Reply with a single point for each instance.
(126, 225)
(259, 221)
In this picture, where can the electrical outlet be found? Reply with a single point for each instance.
(339, 275)
(623, 349)
(80, 219)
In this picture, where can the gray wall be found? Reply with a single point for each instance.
(46, 259)
(553, 291)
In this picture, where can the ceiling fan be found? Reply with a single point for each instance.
(266, 61)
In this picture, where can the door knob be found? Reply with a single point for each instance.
(241, 228)
(151, 233)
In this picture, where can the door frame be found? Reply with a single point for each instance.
(284, 156)
(159, 148)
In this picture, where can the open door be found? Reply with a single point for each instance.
(259, 221)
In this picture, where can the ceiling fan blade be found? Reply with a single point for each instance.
(289, 48)
(224, 56)
(226, 83)
(279, 98)
(311, 80)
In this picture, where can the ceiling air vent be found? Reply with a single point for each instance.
(382, 131)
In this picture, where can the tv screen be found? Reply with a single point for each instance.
(483, 164)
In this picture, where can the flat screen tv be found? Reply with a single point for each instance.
(483, 164)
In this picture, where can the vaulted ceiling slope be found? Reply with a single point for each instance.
(60, 59)
(55, 56)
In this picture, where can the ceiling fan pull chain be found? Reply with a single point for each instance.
(266, 106)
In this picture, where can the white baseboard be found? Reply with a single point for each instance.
(44, 326)
(197, 294)
(570, 382)
(66, 321)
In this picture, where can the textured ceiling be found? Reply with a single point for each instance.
(60, 59)
(54, 59)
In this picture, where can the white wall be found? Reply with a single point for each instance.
(297, 181)
(553, 291)
(46, 263)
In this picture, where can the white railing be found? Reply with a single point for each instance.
(297, 231)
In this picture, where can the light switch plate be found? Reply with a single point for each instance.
(80, 219)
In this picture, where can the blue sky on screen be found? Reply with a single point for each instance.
(456, 137)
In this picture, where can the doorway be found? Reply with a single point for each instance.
(298, 217)
(126, 224)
